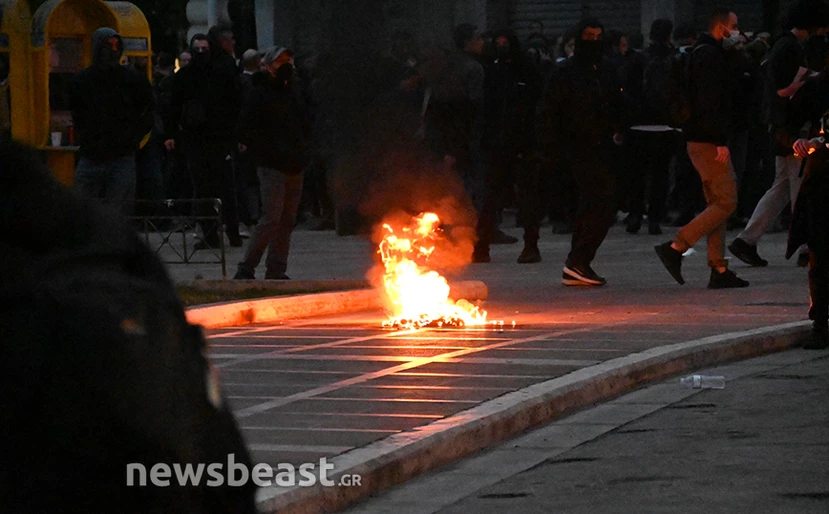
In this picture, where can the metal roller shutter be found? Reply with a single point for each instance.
(621, 15)
(749, 13)
(557, 15)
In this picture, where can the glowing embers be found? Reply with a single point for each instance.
(418, 296)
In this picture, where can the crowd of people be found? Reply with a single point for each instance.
(573, 129)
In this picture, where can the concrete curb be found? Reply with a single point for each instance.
(400, 457)
(267, 310)
(291, 286)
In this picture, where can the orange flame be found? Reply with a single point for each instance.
(418, 296)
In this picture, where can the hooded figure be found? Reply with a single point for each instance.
(582, 118)
(112, 110)
(112, 106)
(100, 361)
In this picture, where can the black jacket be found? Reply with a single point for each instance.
(99, 360)
(204, 102)
(112, 108)
(274, 127)
(810, 218)
(583, 107)
(711, 84)
(512, 89)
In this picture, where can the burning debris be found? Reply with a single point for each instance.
(418, 297)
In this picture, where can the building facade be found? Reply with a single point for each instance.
(308, 25)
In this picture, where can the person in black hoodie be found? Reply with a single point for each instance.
(511, 92)
(112, 111)
(100, 361)
(274, 130)
(200, 122)
(707, 131)
(582, 118)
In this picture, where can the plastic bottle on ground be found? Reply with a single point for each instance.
(703, 382)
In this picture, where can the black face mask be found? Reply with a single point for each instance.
(109, 59)
(200, 58)
(502, 52)
(589, 52)
(284, 74)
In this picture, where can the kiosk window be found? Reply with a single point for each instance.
(65, 59)
(66, 55)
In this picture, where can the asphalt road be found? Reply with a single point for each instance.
(759, 445)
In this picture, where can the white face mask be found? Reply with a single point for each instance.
(732, 40)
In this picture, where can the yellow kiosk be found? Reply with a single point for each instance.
(15, 28)
(58, 44)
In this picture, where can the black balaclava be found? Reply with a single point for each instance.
(588, 52)
(103, 54)
(284, 73)
(199, 59)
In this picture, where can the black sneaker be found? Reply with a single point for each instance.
(819, 339)
(634, 223)
(654, 229)
(244, 275)
(276, 276)
(581, 276)
(803, 260)
(725, 280)
(747, 253)
(529, 255)
(671, 259)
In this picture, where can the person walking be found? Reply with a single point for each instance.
(782, 107)
(707, 131)
(582, 113)
(809, 221)
(652, 139)
(274, 130)
(112, 111)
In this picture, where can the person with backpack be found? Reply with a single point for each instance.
(651, 136)
(709, 87)
(783, 110)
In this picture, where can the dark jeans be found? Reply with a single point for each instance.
(500, 167)
(650, 164)
(819, 287)
(596, 205)
(533, 181)
(111, 182)
(247, 188)
(211, 168)
(149, 177)
(281, 194)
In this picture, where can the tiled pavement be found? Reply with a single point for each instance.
(322, 386)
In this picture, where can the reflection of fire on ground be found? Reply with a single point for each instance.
(415, 295)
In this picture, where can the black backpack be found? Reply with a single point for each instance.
(655, 99)
(679, 89)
